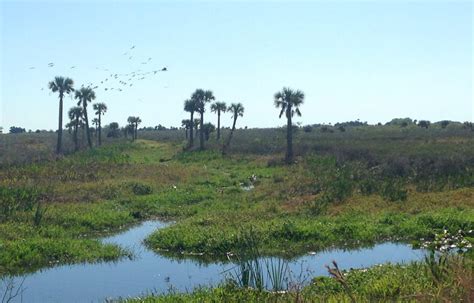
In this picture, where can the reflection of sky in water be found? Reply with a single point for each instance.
(152, 272)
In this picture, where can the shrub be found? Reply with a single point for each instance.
(141, 189)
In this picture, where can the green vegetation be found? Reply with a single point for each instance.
(415, 282)
(352, 188)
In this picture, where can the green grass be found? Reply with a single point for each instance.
(412, 282)
(354, 188)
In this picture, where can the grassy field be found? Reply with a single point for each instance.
(365, 185)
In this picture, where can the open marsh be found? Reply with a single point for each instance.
(150, 272)
(344, 191)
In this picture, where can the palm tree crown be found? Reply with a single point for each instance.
(289, 100)
(75, 113)
(218, 107)
(61, 85)
(84, 95)
(237, 110)
(190, 105)
(100, 108)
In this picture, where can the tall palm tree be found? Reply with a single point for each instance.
(289, 101)
(62, 86)
(237, 110)
(218, 107)
(85, 95)
(100, 109)
(202, 97)
(75, 115)
(190, 106)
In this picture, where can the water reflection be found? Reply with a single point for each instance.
(158, 273)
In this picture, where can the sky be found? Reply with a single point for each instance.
(367, 60)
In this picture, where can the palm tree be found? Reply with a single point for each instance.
(95, 122)
(69, 127)
(237, 109)
(186, 123)
(289, 101)
(84, 95)
(218, 107)
(133, 122)
(202, 97)
(75, 115)
(196, 126)
(63, 86)
(208, 129)
(100, 109)
(190, 106)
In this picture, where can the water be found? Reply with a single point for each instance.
(151, 272)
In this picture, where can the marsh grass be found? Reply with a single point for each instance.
(358, 187)
(253, 270)
(382, 283)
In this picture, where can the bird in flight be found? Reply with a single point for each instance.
(164, 69)
(32, 67)
(132, 47)
(73, 67)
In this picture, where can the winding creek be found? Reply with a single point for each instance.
(151, 272)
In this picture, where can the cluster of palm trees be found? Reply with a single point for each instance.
(77, 114)
(197, 104)
(133, 126)
(288, 100)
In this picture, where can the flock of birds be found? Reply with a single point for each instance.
(120, 81)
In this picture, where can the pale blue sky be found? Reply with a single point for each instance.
(371, 60)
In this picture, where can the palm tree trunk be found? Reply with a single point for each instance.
(88, 133)
(60, 125)
(100, 131)
(136, 131)
(201, 133)
(76, 145)
(289, 137)
(227, 144)
(191, 132)
(218, 125)
(83, 134)
(186, 129)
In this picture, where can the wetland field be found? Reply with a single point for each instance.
(150, 220)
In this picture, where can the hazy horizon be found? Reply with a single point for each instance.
(372, 61)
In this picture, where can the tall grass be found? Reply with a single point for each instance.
(253, 270)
